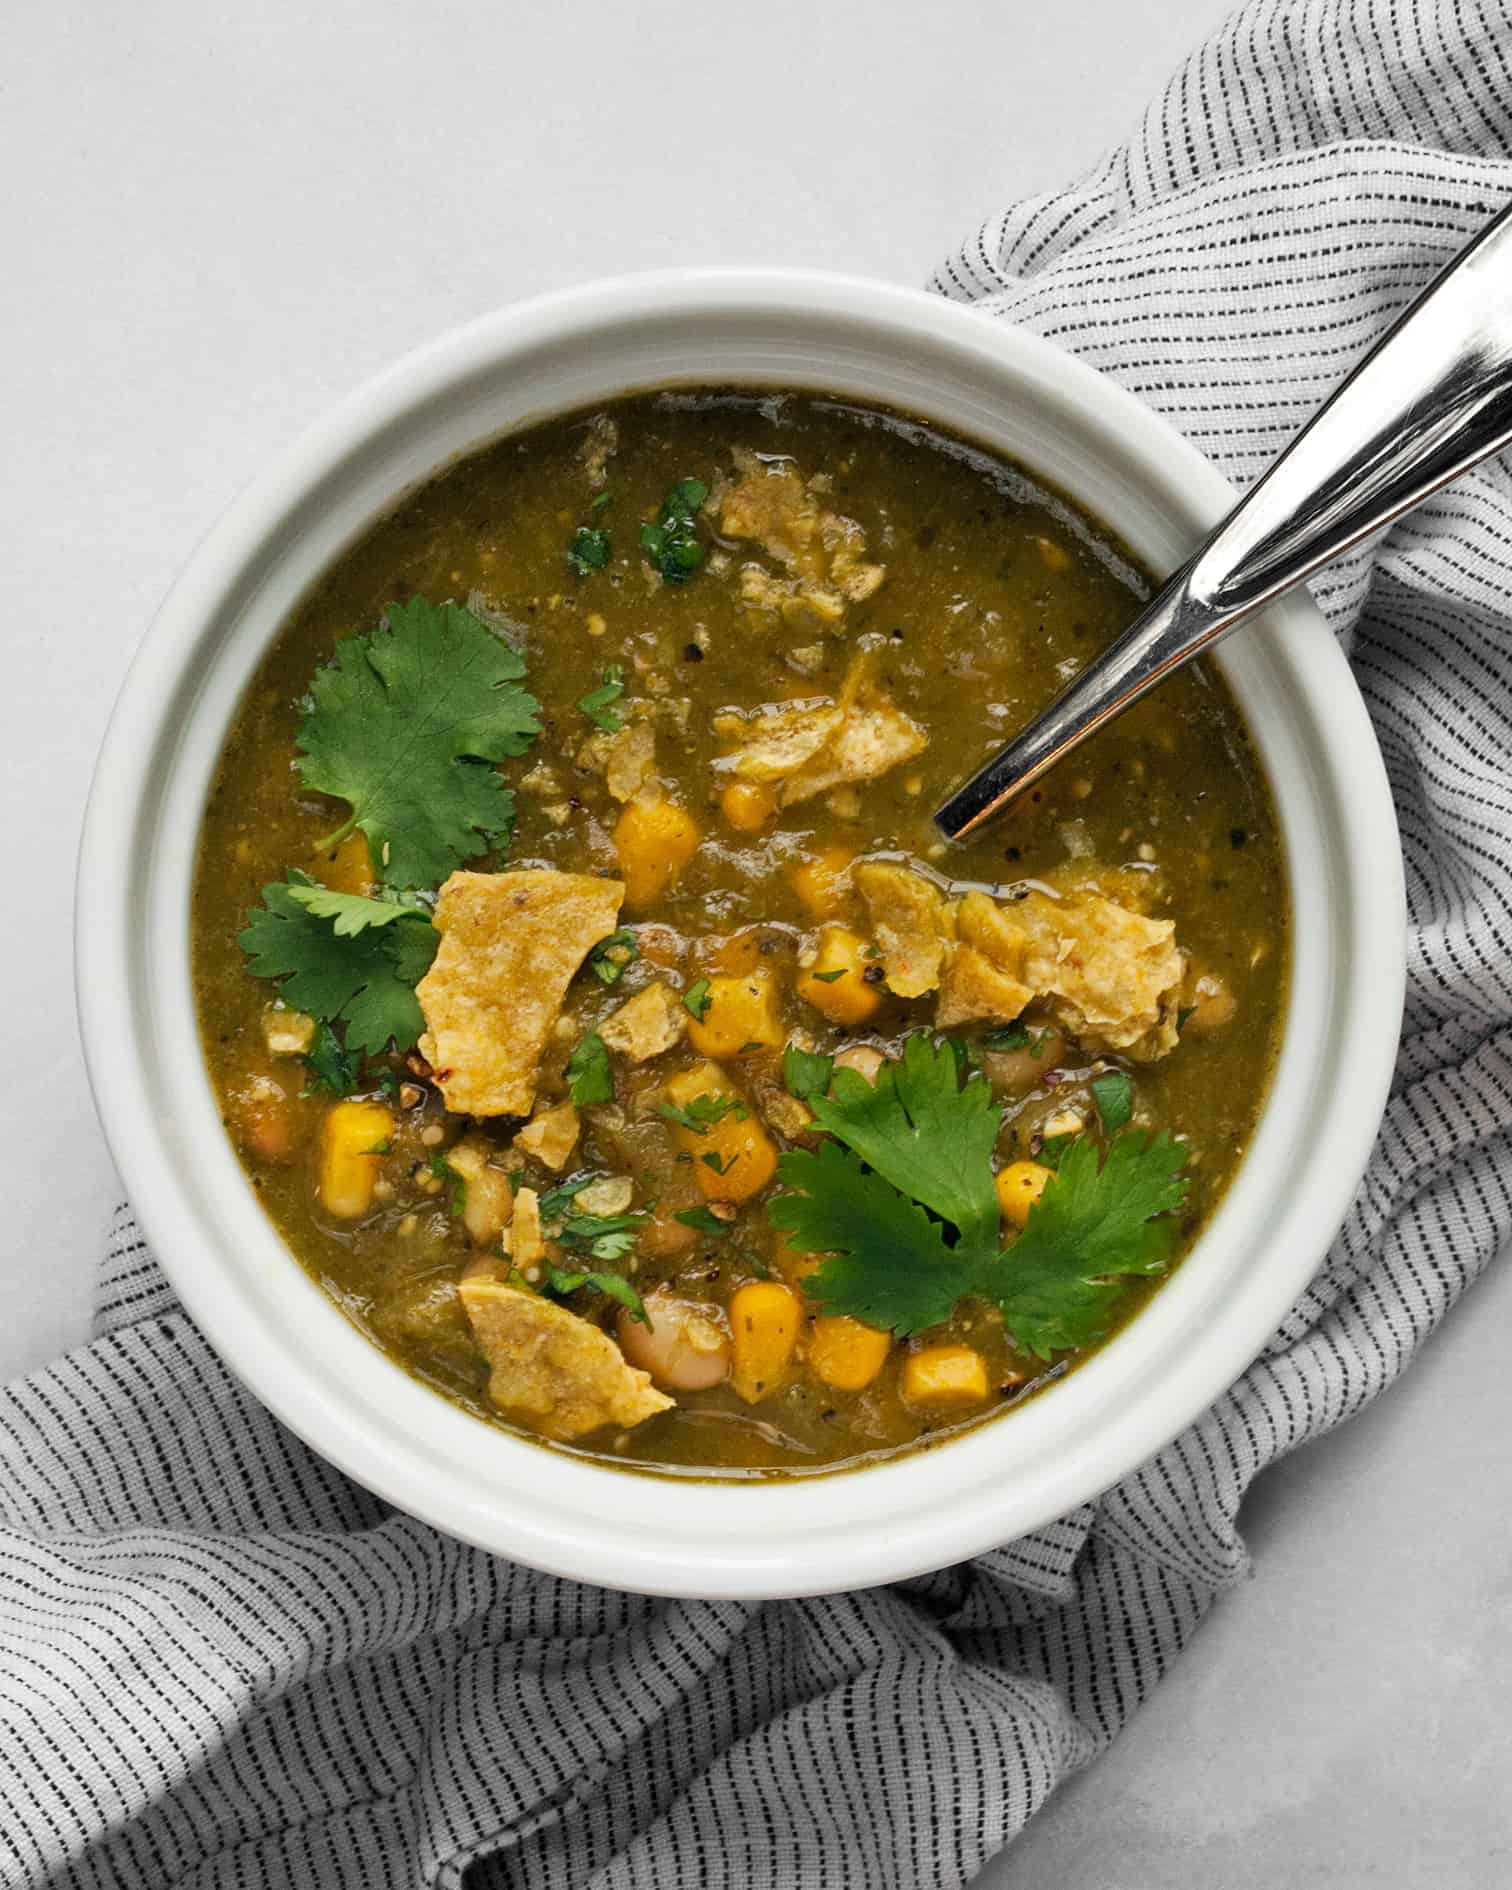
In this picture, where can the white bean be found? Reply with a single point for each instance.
(685, 1348)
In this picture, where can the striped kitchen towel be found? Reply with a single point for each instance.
(223, 1664)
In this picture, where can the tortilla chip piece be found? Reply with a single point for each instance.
(551, 1135)
(777, 742)
(972, 986)
(911, 921)
(510, 943)
(647, 1024)
(873, 737)
(551, 1370)
(1113, 973)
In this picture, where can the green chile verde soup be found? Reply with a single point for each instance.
(598, 1014)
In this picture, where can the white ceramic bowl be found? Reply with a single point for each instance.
(288, 1342)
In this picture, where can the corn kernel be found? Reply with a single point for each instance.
(845, 1354)
(1019, 1186)
(765, 1317)
(653, 841)
(821, 883)
(349, 1155)
(748, 805)
(944, 1377)
(744, 1156)
(835, 983)
(739, 1015)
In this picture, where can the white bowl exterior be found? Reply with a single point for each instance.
(289, 1343)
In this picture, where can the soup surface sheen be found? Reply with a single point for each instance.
(532, 1148)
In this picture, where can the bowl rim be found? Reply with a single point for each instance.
(884, 1521)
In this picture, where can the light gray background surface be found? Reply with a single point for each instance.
(216, 221)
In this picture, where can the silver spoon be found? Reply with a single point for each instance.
(1430, 400)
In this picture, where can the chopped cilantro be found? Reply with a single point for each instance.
(556, 1201)
(603, 499)
(703, 1112)
(827, 977)
(805, 1072)
(589, 1078)
(1017, 1037)
(595, 705)
(696, 999)
(561, 1284)
(363, 977)
(1182, 1015)
(604, 1236)
(385, 1147)
(1053, 1148)
(407, 726)
(701, 1219)
(330, 1064)
(902, 1203)
(1114, 1096)
(588, 550)
(672, 542)
(718, 1163)
(612, 956)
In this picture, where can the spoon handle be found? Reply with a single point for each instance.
(1430, 400)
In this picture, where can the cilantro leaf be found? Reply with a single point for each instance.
(558, 1201)
(901, 1201)
(589, 1078)
(561, 1283)
(595, 705)
(331, 1065)
(920, 1129)
(352, 912)
(612, 957)
(701, 1220)
(406, 725)
(1114, 1096)
(605, 1236)
(703, 1112)
(806, 1073)
(1055, 1286)
(697, 999)
(672, 543)
(588, 549)
(889, 1264)
(365, 980)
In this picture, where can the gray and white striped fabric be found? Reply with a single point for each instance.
(222, 1664)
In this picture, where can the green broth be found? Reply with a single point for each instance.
(996, 591)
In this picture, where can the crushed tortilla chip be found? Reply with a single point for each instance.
(510, 943)
(822, 555)
(1113, 974)
(647, 1024)
(552, 1370)
(551, 1135)
(912, 923)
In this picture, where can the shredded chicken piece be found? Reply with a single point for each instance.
(822, 555)
(912, 922)
(510, 943)
(551, 1369)
(551, 1135)
(647, 1024)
